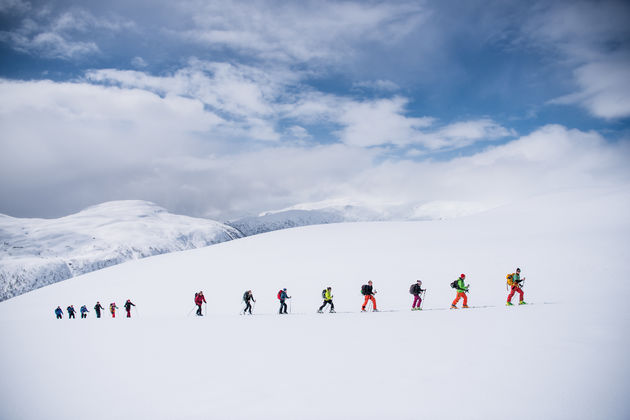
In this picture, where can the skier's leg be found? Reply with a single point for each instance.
(373, 302)
(367, 297)
(322, 307)
(456, 299)
(509, 298)
(521, 293)
(332, 306)
(465, 299)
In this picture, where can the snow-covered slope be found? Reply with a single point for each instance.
(38, 252)
(562, 357)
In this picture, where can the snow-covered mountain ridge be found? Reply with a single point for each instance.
(38, 252)
(338, 211)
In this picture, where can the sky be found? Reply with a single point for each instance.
(227, 109)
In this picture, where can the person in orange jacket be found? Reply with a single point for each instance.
(462, 289)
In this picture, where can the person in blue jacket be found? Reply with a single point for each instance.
(59, 312)
(84, 311)
(71, 311)
(282, 295)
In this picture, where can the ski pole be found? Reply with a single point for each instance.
(205, 308)
(191, 310)
(424, 296)
(290, 306)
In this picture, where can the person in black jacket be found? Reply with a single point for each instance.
(416, 290)
(128, 306)
(368, 291)
(98, 307)
(71, 311)
(247, 297)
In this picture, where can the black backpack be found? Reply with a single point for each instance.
(324, 293)
(245, 296)
(364, 289)
(412, 289)
(454, 284)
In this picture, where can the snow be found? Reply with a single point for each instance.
(38, 252)
(563, 357)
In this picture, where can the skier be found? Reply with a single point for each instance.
(59, 312)
(71, 311)
(128, 306)
(112, 309)
(199, 300)
(514, 281)
(462, 289)
(416, 289)
(327, 295)
(84, 311)
(368, 292)
(98, 307)
(247, 296)
(282, 295)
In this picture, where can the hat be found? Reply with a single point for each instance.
(463, 276)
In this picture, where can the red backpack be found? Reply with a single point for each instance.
(280, 294)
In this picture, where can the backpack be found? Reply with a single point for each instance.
(364, 289)
(510, 279)
(280, 294)
(412, 289)
(324, 293)
(245, 296)
(454, 284)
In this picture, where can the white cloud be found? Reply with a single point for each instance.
(604, 88)
(70, 145)
(374, 123)
(59, 35)
(139, 62)
(592, 38)
(298, 32)
(378, 85)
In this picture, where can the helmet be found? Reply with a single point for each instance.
(463, 276)
(518, 269)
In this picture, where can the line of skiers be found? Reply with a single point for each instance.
(97, 308)
(367, 290)
(514, 284)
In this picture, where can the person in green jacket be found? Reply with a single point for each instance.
(327, 295)
(462, 289)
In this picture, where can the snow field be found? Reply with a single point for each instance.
(562, 357)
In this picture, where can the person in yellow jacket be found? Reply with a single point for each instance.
(327, 295)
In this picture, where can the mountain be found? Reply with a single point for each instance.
(339, 211)
(38, 252)
(563, 356)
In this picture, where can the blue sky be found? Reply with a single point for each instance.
(223, 109)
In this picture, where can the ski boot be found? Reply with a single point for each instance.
(332, 311)
(509, 304)
(453, 307)
(465, 306)
(374, 310)
(522, 302)
(319, 311)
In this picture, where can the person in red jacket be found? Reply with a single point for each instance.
(112, 309)
(199, 299)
